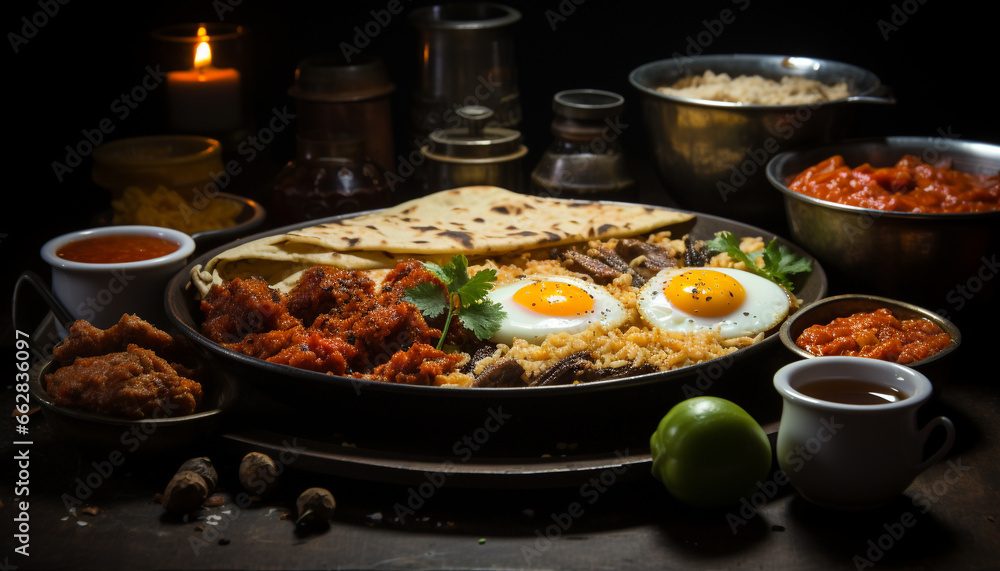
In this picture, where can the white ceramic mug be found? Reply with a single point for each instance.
(102, 293)
(854, 456)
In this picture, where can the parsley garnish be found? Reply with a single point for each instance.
(779, 261)
(466, 298)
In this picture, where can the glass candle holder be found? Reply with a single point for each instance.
(208, 78)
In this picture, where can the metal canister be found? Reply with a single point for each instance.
(465, 57)
(474, 154)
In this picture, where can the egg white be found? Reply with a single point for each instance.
(765, 306)
(524, 323)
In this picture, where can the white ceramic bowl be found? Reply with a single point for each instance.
(102, 293)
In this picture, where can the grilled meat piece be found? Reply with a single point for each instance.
(654, 258)
(695, 254)
(613, 260)
(565, 371)
(504, 373)
(477, 356)
(598, 270)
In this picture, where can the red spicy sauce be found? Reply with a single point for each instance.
(116, 249)
(911, 185)
(878, 335)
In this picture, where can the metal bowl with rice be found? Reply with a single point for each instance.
(710, 155)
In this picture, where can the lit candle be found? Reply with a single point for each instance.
(204, 99)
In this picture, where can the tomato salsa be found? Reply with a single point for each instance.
(116, 249)
(876, 334)
(911, 185)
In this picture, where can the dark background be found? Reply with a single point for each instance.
(939, 59)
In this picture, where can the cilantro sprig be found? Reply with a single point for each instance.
(779, 261)
(466, 298)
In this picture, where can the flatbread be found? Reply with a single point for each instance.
(485, 220)
(474, 220)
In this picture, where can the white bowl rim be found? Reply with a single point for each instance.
(783, 379)
(187, 247)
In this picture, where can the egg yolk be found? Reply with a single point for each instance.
(555, 299)
(705, 292)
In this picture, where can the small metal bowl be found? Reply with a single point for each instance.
(826, 310)
(923, 256)
(96, 433)
(710, 155)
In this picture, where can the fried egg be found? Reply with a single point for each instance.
(736, 302)
(541, 305)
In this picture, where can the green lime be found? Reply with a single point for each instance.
(709, 452)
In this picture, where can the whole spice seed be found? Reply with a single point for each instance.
(258, 473)
(202, 466)
(185, 492)
(315, 505)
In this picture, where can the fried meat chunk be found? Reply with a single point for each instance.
(419, 364)
(243, 307)
(323, 290)
(86, 340)
(333, 321)
(135, 383)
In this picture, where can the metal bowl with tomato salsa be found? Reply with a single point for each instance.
(925, 256)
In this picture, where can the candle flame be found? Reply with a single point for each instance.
(203, 53)
(203, 56)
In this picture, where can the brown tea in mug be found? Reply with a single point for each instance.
(851, 391)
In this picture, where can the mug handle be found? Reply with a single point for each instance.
(949, 440)
(29, 278)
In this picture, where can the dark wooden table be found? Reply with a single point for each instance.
(98, 511)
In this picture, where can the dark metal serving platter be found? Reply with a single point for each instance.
(497, 437)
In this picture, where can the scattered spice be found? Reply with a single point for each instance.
(258, 473)
(203, 467)
(190, 487)
(185, 492)
(214, 500)
(315, 505)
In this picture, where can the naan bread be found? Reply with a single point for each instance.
(484, 220)
(475, 221)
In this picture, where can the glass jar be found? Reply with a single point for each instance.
(334, 95)
(330, 175)
(585, 159)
